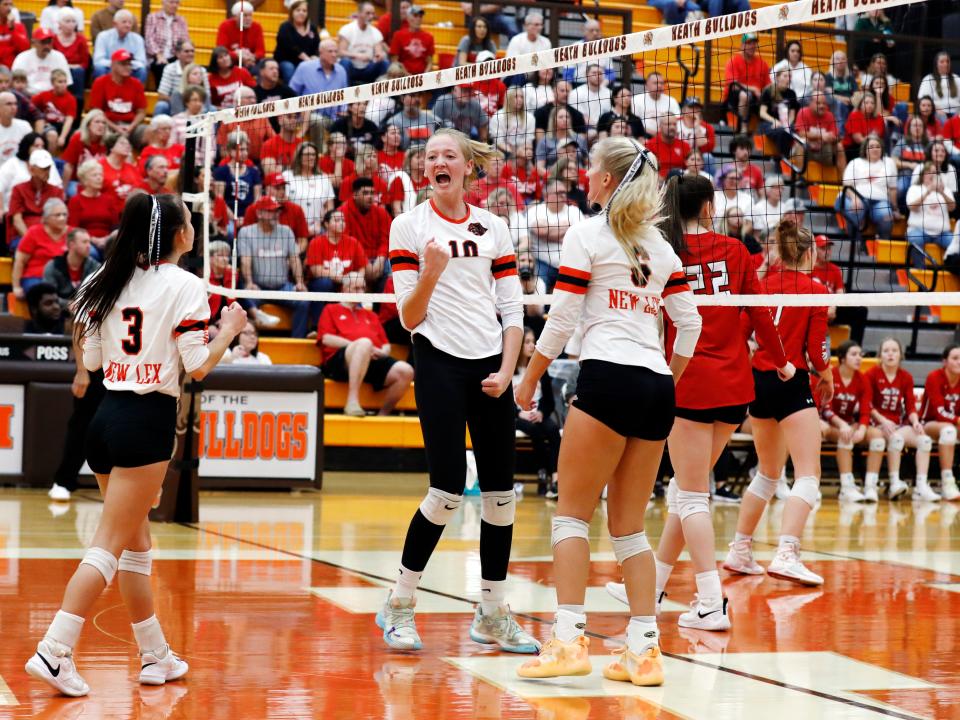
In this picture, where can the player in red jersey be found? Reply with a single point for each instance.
(783, 416)
(846, 421)
(941, 396)
(707, 411)
(895, 413)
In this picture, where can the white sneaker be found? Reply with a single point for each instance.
(518, 489)
(265, 319)
(53, 663)
(157, 668)
(851, 493)
(701, 617)
(948, 488)
(783, 490)
(870, 491)
(618, 591)
(897, 488)
(58, 493)
(786, 565)
(922, 491)
(740, 559)
(500, 628)
(396, 619)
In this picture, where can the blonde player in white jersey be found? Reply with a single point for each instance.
(454, 270)
(145, 319)
(614, 270)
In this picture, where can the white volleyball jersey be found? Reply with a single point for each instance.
(619, 319)
(158, 323)
(479, 281)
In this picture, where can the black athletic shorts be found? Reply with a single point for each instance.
(336, 369)
(131, 430)
(729, 414)
(631, 400)
(776, 399)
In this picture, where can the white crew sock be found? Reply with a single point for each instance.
(871, 478)
(65, 629)
(149, 635)
(642, 633)
(894, 477)
(788, 540)
(663, 575)
(708, 588)
(492, 594)
(921, 479)
(946, 474)
(407, 582)
(847, 480)
(740, 536)
(569, 625)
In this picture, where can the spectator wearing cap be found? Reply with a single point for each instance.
(66, 272)
(670, 150)
(413, 47)
(121, 97)
(816, 125)
(654, 103)
(461, 110)
(120, 37)
(699, 135)
(27, 199)
(415, 123)
(269, 257)
(750, 175)
(730, 193)
(288, 213)
(298, 39)
(322, 75)
(361, 48)
(94, 210)
(244, 190)
(102, 19)
(577, 74)
(278, 152)
(676, 12)
(561, 98)
(593, 98)
(621, 108)
(42, 241)
(13, 35)
(744, 77)
(12, 129)
(164, 31)
(258, 130)
(768, 210)
(243, 37)
(59, 109)
(39, 61)
(370, 224)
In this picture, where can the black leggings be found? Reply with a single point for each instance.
(545, 436)
(449, 400)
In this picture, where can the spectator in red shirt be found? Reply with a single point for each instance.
(225, 78)
(290, 213)
(696, 133)
(385, 22)
(413, 47)
(258, 130)
(13, 35)
(157, 175)
(161, 127)
(390, 155)
(86, 143)
(831, 277)
(121, 98)
(27, 199)
(744, 77)
(244, 40)
(370, 224)
(120, 176)
(332, 256)
(276, 154)
(335, 163)
(93, 210)
(750, 176)
(865, 119)
(41, 243)
(368, 166)
(669, 149)
(221, 274)
(74, 47)
(816, 124)
(59, 109)
(356, 350)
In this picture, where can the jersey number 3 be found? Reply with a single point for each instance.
(133, 316)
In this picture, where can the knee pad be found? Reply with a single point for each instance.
(896, 443)
(627, 546)
(948, 436)
(568, 527)
(878, 444)
(924, 443)
(672, 489)
(807, 488)
(844, 446)
(762, 486)
(690, 503)
(102, 561)
(136, 562)
(498, 508)
(439, 506)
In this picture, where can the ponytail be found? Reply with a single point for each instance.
(684, 199)
(793, 242)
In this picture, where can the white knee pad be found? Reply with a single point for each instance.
(498, 508)
(439, 506)
(102, 561)
(807, 488)
(948, 436)
(924, 443)
(569, 527)
(672, 489)
(627, 546)
(690, 503)
(896, 443)
(762, 486)
(844, 446)
(878, 444)
(136, 562)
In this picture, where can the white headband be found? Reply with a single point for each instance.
(153, 248)
(636, 167)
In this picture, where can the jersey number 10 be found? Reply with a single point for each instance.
(469, 249)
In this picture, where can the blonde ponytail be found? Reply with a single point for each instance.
(634, 210)
(480, 153)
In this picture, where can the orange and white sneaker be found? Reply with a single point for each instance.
(558, 658)
(645, 669)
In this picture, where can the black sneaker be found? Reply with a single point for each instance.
(543, 482)
(724, 495)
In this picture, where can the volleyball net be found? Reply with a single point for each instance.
(771, 105)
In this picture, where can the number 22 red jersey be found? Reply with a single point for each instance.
(892, 398)
(718, 374)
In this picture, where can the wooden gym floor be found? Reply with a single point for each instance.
(271, 596)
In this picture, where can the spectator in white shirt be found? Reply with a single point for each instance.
(577, 74)
(870, 189)
(530, 40)
(768, 211)
(512, 126)
(49, 18)
(362, 51)
(592, 98)
(39, 61)
(942, 86)
(547, 223)
(800, 72)
(729, 194)
(654, 103)
(12, 129)
(930, 205)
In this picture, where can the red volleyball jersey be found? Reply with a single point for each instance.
(940, 398)
(892, 398)
(803, 330)
(719, 371)
(851, 402)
